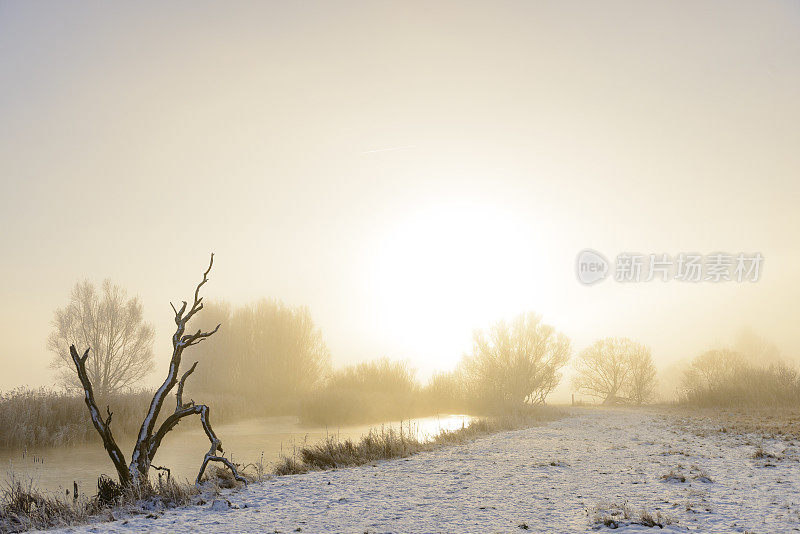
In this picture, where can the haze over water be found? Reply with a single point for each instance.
(407, 174)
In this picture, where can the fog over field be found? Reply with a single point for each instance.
(408, 174)
(452, 266)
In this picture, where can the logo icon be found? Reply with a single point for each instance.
(591, 267)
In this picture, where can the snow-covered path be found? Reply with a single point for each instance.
(548, 478)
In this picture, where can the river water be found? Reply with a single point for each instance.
(265, 439)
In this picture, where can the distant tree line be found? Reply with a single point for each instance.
(751, 373)
(377, 390)
(270, 358)
(512, 364)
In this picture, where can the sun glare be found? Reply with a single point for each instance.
(447, 270)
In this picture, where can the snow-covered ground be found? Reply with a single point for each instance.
(551, 478)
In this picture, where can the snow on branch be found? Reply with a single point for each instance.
(102, 426)
(149, 439)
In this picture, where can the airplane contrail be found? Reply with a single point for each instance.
(388, 149)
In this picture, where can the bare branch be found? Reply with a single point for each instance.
(103, 427)
(205, 277)
(216, 445)
(159, 468)
(168, 424)
(212, 458)
(198, 336)
(198, 300)
(179, 394)
(179, 313)
(147, 442)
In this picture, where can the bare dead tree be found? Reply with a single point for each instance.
(149, 438)
(103, 426)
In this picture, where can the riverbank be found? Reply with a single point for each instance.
(23, 506)
(264, 440)
(595, 469)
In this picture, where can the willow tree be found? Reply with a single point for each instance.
(150, 435)
(616, 370)
(516, 363)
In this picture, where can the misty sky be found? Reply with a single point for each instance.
(137, 138)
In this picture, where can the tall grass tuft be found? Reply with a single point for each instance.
(43, 417)
(388, 443)
(23, 507)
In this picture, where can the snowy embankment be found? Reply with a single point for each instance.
(558, 478)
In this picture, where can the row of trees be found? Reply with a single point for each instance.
(275, 355)
(269, 351)
(511, 364)
(521, 362)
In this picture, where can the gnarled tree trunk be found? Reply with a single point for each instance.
(149, 438)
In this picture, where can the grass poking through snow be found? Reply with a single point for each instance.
(385, 444)
(23, 507)
(615, 516)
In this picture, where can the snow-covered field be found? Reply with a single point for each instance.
(552, 478)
